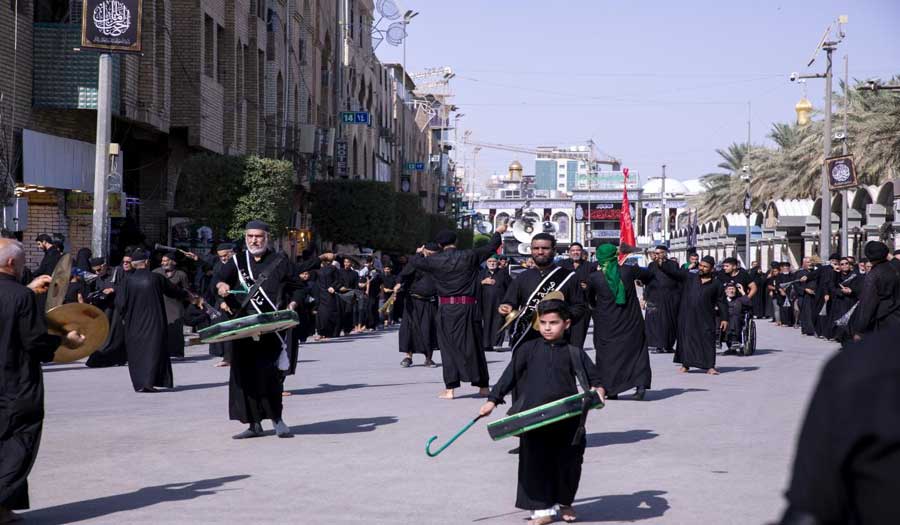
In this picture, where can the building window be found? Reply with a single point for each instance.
(208, 46)
(221, 54)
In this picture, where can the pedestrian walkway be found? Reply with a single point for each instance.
(701, 449)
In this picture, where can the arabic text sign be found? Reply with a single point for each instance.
(112, 25)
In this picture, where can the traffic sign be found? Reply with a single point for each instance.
(415, 166)
(356, 117)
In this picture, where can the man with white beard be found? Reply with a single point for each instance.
(255, 386)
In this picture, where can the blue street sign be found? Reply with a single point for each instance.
(415, 166)
(355, 117)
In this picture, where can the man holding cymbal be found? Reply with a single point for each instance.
(24, 345)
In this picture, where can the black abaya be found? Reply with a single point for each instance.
(144, 312)
(24, 345)
(698, 320)
(621, 347)
(663, 295)
(579, 329)
(418, 332)
(459, 331)
(255, 383)
(549, 464)
(113, 352)
(327, 313)
(489, 298)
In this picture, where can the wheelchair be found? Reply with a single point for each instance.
(745, 343)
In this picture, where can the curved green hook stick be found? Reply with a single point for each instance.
(448, 443)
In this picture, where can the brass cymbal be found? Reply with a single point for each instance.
(59, 282)
(87, 320)
(510, 317)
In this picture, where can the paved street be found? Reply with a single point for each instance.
(701, 450)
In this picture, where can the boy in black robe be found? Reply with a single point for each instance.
(543, 370)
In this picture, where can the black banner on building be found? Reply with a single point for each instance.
(841, 173)
(111, 25)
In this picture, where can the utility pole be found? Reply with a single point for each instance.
(829, 46)
(664, 212)
(748, 203)
(844, 249)
(100, 226)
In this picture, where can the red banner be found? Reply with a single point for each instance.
(626, 231)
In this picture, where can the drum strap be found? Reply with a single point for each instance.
(581, 374)
(247, 279)
(554, 280)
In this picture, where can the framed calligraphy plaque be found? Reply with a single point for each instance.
(112, 25)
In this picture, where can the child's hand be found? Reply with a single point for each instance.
(487, 408)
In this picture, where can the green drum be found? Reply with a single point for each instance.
(543, 415)
(249, 326)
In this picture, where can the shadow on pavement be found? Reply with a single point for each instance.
(602, 439)
(145, 497)
(766, 351)
(619, 508)
(344, 426)
(666, 393)
(326, 388)
(726, 369)
(198, 386)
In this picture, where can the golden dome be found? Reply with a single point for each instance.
(804, 109)
(515, 166)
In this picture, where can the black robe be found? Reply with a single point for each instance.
(112, 353)
(455, 274)
(549, 464)
(327, 313)
(847, 464)
(663, 295)
(579, 329)
(24, 345)
(387, 289)
(375, 282)
(879, 300)
(48, 262)
(525, 284)
(824, 287)
(141, 302)
(806, 300)
(698, 318)
(489, 298)
(785, 294)
(621, 347)
(348, 280)
(255, 383)
(759, 300)
(175, 313)
(841, 302)
(418, 332)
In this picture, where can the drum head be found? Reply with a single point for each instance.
(87, 320)
(249, 326)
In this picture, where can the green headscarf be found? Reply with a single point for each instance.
(608, 262)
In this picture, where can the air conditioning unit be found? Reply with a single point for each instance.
(306, 143)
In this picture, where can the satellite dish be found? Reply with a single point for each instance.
(524, 230)
(388, 9)
(395, 33)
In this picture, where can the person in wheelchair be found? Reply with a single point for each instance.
(739, 305)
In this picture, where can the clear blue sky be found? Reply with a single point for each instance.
(652, 82)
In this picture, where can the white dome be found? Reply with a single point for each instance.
(654, 186)
(695, 186)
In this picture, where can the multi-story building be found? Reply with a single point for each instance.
(231, 77)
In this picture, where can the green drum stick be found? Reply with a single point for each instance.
(448, 443)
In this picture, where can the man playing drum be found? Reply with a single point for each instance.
(258, 366)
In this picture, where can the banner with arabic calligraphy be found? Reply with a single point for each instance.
(112, 25)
